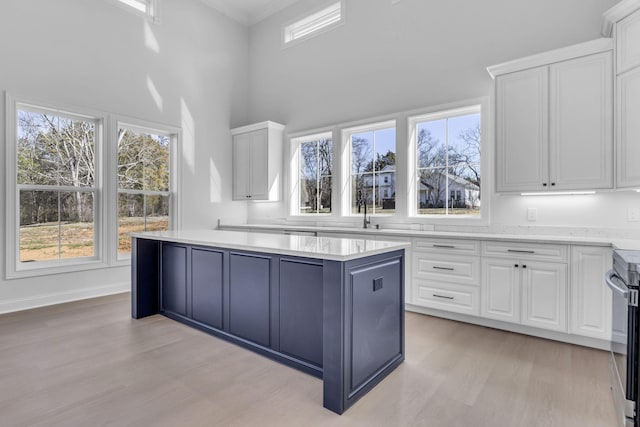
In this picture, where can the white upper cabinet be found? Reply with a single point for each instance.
(581, 123)
(628, 125)
(554, 120)
(522, 109)
(623, 20)
(628, 42)
(257, 161)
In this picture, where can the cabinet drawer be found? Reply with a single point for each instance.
(536, 251)
(448, 268)
(448, 297)
(462, 246)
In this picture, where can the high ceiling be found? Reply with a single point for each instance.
(249, 12)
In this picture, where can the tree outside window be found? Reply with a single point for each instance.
(315, 175)
(448, 164)
(143, 183)
(56, 182)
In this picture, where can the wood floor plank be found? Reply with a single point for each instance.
(89, 363)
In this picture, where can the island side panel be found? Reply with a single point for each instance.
(144, 277)
(364, 326)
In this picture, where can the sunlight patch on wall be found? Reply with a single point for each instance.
(153, 91)
(150, 39)
(188, 137)
(215, 183)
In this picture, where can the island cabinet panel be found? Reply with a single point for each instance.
(206, 286)
(375, 322)
(144, 277)
(249, 297)
(174, 279)
(301, 309)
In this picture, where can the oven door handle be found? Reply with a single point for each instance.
(620, 287)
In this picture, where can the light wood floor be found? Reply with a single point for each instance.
(87, 363)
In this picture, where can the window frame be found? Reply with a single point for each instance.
(287, 39)
(175, 161)
(14, 267)
(151, 11)
(471, 106)
(347, 169)
(294, 174)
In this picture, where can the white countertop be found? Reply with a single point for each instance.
(331, 248)
(616, 243)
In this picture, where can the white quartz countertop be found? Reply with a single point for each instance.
(617, 243)
(331, 248)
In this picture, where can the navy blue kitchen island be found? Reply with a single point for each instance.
(331, 307)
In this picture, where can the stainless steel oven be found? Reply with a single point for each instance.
(624, 280)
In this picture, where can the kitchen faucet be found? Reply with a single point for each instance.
(365, 221)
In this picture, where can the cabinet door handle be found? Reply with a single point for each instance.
(544, 184)
(442, 296)
(553, 184)
(444, 246)
(520, 251)
(435, 267)
(516, 265)
(524, 266)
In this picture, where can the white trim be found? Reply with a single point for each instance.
(257, 126)
(149, 9)
(19, 304)
(175, 165)
(557, 55)
(617, 13)
(13, 267)
(460, 108)
(331, 15)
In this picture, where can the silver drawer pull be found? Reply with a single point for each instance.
(519, 251)
(444, 246)
(442, 296)
(442, 268)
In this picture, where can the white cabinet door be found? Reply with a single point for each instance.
(628, 123)
(628, 42)
(522, 110)
(581, 123)
(258, 165)
(544, 295)
(590, 302)
(500, 290)
(241, 158)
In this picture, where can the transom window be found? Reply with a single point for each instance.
(314, 23)
(143, 182)
(56, 184)
(373, 168)
(315, 164)
(448, 150)
(145, 7)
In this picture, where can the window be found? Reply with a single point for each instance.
(315, 165)
(56, 185)
(448, 148)
(322, 20)
(144, 184)
(146, 7)
(373, 168)
(65, 191)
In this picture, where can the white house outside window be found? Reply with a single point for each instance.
(448, 151)
(373, 168)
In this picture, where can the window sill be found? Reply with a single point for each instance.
(50, 268)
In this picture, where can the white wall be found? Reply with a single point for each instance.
(94, 54)
(415, 54)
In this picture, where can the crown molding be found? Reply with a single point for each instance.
(616, 13)
(250, 15)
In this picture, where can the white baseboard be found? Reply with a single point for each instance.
(512, 327)
(43, 300)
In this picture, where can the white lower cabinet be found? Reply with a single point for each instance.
(590, 296)
(500, 290)
(544, 295)
(531, 293)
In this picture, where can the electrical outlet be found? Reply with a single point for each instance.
(633, 214)
(532, 214)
